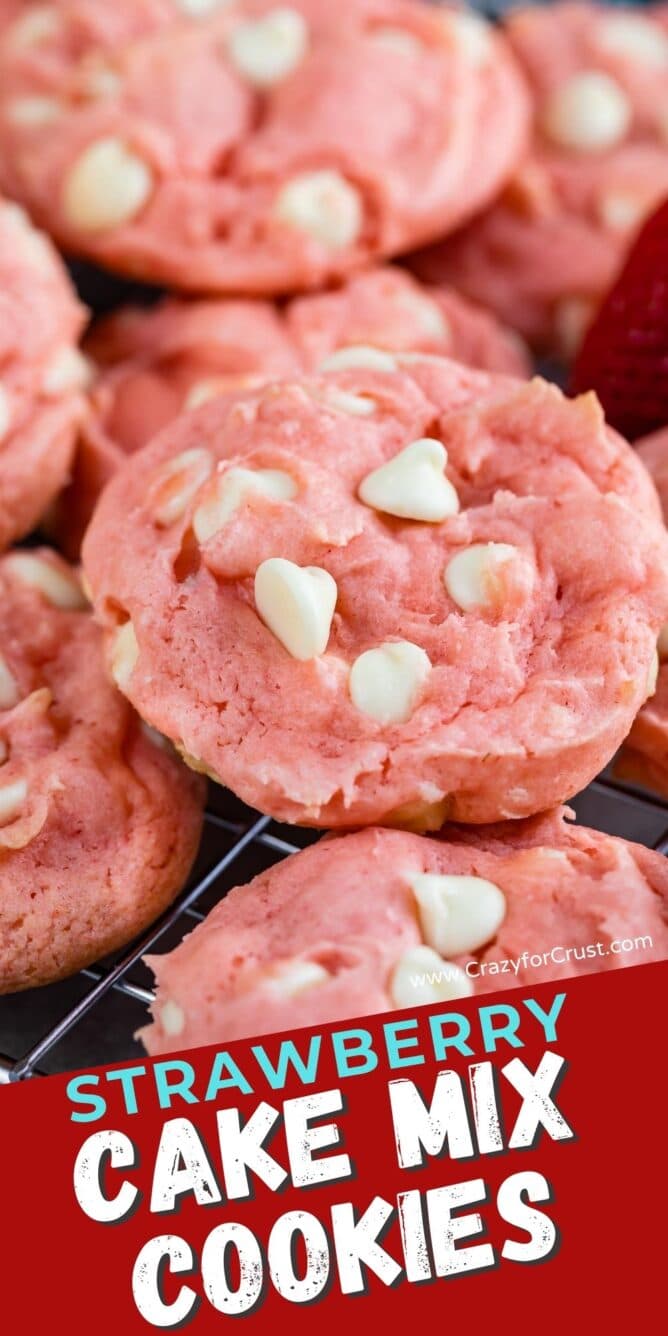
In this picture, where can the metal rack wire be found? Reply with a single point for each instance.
(90, 1020)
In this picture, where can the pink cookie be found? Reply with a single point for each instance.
(99, 822)
(156, 363)
(401, 591)
(258, 149)
(382, 919)
(41, 374)
(644, 757)
(545, 253)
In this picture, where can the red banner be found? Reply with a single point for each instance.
(498, 1156)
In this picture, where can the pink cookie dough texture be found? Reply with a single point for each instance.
(155, 363)
(256, 148)
(644, 757)
(42, 375)
(545, 253)
(387, 684)
(337, 930)
(99, 821)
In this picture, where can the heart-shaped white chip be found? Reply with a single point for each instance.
(297, 604)
(422, 976)
(413, 486)
(474, 577)
(58, 586)
(385, 683)
(588, 113)
(230, 489)
(266, 50)
(289, 977)
(12, 799)
(322, 204)
(633, 37)
(124, 654)
(107, 185)
(177, 482)
(359, 355)
(457, 913)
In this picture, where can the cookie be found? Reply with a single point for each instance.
(155, 363)
(398, 592)
(545, 253)
(644, 756)
(382, 919)
(257, 148)
(42, 374)
(99, 821)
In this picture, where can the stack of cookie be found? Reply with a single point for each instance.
(546, 251)
(344, 557)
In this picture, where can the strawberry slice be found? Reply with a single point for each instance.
(624, 356)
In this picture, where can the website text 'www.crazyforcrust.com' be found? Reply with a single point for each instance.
(535, 960)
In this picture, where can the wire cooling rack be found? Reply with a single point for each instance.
(90, 1020)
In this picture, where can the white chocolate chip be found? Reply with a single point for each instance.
(653, 674)
(229, 491)
(124, 654)
(172, 1018)
(9, 690)
(203, 391)
(268, 49)
(473, 578)
(399, 39)
(107, 186)
(177, 482)
(12, 799)
(324, 205)
(458, 914)
(662, 643)
(588, 113)
(5, 413)
(386, 683)
(198, 8)
(622, 210)
(473, 35)
(34, 245)
(571, 318)
(15, 216)
(341, 401)
(99, 80)
(428, 315)
(288, 978)
(359, 355)
(33, 110)
(412, 485)
(422, 976)
(67, 371)
(39, 24)
(297, 604)
(59, 588)
(633, 37)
